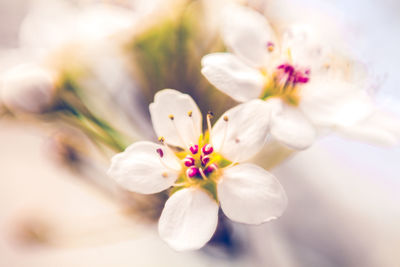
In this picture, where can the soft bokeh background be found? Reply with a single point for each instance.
(344, 195)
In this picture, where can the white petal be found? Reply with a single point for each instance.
(247, 33)
(232, 76)
(109, 18)
(250, 194)
(183, 130)
(380, 128)
(189, 219)
(305, 47)
(335, 103)
(290, 126)
(244, 134)
(141, 169)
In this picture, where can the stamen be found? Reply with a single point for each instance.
(270, 47)
(210, 115)
(210, 169)
(202, 174)
(207, 149)
(204, 160)
(172, 118)
(188, 161)
(226, 119)
(287, 77)
(233, 163)
(191, 172)
(190, 114)
(160, 152)
(194, 149)
(164, 174)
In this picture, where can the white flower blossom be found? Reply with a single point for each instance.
(306, 85)
(28, 73)
(203, 169)
(51, 26)
(28, 88)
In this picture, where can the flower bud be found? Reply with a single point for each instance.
(28, 88)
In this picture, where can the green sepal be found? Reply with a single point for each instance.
(211, 188)
(175, 189)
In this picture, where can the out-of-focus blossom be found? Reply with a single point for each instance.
(81, 46)
(51, 26)
(307, 86)
(28, 88)
(203, 170)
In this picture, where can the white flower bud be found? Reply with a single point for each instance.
(28, 88)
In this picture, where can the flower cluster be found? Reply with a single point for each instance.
(109, 62)
(290, 88)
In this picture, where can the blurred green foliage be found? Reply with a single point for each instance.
(168, 54)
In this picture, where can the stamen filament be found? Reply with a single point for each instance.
(209, 116)
(172, 118)
(202, 174)
(226, 119)
(190, 114)
(161, 153)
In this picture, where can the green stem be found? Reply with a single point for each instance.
(97, 132)
(90, 123)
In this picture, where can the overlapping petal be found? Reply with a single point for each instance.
(249, 194)
(247, 33)
(241, 131)
(290, 126)
(184, 127)
(380, 128)
(232, 76)
(189, 219)
(145, 167)
(335, 103)
(305, 49)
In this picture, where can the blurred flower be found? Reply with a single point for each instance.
(86, 60)
(308, 87)
(68, 148)
(49, 27)
(31, 231)
(28, 88)
(202, 169)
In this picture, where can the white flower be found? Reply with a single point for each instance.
(203, 170)
(306, 85)
(50, 26)
(28, 88)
